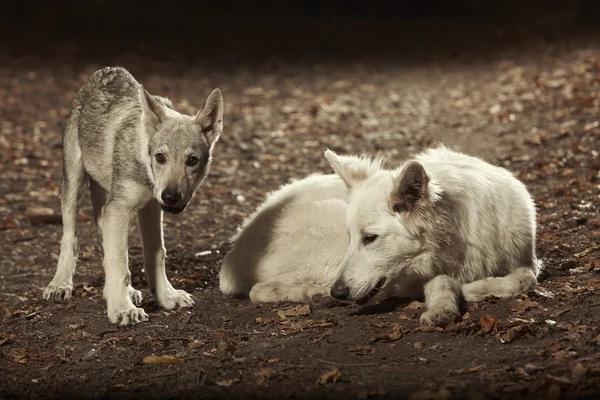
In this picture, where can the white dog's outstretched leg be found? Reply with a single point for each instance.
(150, 225)
(117, 286)
(519, 281)
(280, 290)
(71, 190)
(442, 295)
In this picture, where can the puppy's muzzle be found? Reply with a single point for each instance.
(172, 201)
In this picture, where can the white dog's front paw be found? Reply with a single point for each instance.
(440, 316)
(128, 316)
(171, 298)
(135, 295)
(61, 292)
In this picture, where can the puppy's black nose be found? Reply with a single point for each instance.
(340, 290)
(170, 197)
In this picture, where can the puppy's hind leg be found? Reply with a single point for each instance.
(519, 281)
(71, 191)
(442, 295)
(150, 226)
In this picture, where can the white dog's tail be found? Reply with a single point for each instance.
(519, 281)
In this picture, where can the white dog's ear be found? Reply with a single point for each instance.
(352, 169)
(410, 187)
(210, 118)
(153, 111)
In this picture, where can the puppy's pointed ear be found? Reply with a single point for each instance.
(210, 118)
(153, 111)
(410, 188)
(352, 169)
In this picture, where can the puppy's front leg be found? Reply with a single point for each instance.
(442, 295)
(115, 229)
(150, 224)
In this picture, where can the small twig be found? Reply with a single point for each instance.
(24, 316)
(296, 366)
(345, 365)
(587, 251)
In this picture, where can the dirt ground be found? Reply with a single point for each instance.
(532, 107)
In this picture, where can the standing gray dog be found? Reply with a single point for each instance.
(141, 156)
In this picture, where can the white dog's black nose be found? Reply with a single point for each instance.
(170, 197)
(340, 290)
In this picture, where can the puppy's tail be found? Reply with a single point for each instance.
(519, 281)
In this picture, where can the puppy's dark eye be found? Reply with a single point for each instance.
(192, 160)
(368, 239)
(160, 158)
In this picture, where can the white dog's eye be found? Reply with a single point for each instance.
(192, 160)
(369, 238)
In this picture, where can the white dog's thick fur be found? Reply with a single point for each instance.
(442, 225)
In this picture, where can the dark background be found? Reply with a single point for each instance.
(270, 30)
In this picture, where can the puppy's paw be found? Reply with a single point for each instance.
(172, 298)
(135, 295)
(440, 316)
(129, 316)
(60, 292)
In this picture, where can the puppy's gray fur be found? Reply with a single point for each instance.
(140, 156)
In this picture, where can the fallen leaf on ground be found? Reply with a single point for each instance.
(297, 311)
(42, 215)
(330, 377)
(555, 380)
(389, 337)
(578, 372)
(166, 359)
(265, 372)
(488, 323)
(226, 382)
(467, 370)
(540, 291)
(361, 350)
(520, 307)
(263, 320)
(414, 305)
(325, 334)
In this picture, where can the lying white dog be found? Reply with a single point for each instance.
(440, 225)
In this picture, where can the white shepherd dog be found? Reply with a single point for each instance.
(442, 226)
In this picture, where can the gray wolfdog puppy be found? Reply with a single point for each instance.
(140, 156)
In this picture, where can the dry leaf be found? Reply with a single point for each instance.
(330, 377)
(488, 323)
(294, 312)
(540, 291)
(389, 337)
(520, 307)
(265, 372)
(361, 350)
(414, 305)
(226, 382)
(264, 320)
(166, 359)
(467, 370)
(555, 380)
(578, 372)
